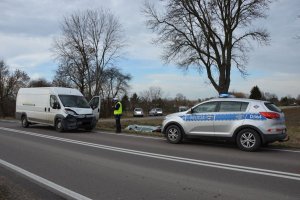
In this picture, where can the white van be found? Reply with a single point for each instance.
(63, 108)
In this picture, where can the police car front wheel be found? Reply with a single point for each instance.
(248, 140)
(174, 134)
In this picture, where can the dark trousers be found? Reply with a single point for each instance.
(118, 123)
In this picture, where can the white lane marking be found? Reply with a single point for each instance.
(9, 121)
(162, 138)
(106, 132)
(286, 150)
(61, 190)
(158, 138)
(238, 168)
(129, 135)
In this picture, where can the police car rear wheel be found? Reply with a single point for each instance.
(248, 140)
(174, 134)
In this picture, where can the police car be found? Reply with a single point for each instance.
(250, 123)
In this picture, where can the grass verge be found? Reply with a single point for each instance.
(109, 125)
(292, 116)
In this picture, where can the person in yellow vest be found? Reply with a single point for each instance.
(117, 113)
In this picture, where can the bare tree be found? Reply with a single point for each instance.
(213, 35)
(155, 93)
(10, 82)
(115, 83)
(180, 97)
(41, 82)
(61, 80)
(180, 100)
(271, 97)
(238, 94)
(152, 94)
(134, 101)
(151, 97)
(91, 41)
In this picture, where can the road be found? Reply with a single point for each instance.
(99, 165)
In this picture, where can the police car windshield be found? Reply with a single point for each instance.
(74, 101)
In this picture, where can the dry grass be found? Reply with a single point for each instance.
(10, 190)
(292, 122)
(292, 116)
(109, 124)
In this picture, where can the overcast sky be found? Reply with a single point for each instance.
(27, 29)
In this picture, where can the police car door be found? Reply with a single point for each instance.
(230, 116)
(95, 104)
(200, 121)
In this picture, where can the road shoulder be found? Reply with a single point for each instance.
(15, 187)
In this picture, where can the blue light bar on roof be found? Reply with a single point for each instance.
(226, 95)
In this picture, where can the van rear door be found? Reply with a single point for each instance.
(95, 104)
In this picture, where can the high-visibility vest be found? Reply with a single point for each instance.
(119, 111)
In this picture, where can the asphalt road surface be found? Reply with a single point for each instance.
(99, 165)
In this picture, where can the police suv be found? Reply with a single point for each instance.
(250, 123)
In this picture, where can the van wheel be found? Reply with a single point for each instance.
(248, 140)
(174, 134)
(59, 125)
(24, 122)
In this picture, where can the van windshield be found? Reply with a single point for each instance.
(74, 101)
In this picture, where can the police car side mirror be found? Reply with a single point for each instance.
(191, 111)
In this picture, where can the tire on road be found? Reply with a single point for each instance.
(174, 134)
(24, 121)
(59, 125)
(248, 140)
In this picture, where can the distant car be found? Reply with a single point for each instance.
(294, 104)
(182, 108)
(156, 112)
(138, 112)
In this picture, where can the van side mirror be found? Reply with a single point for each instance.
(56, 105)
